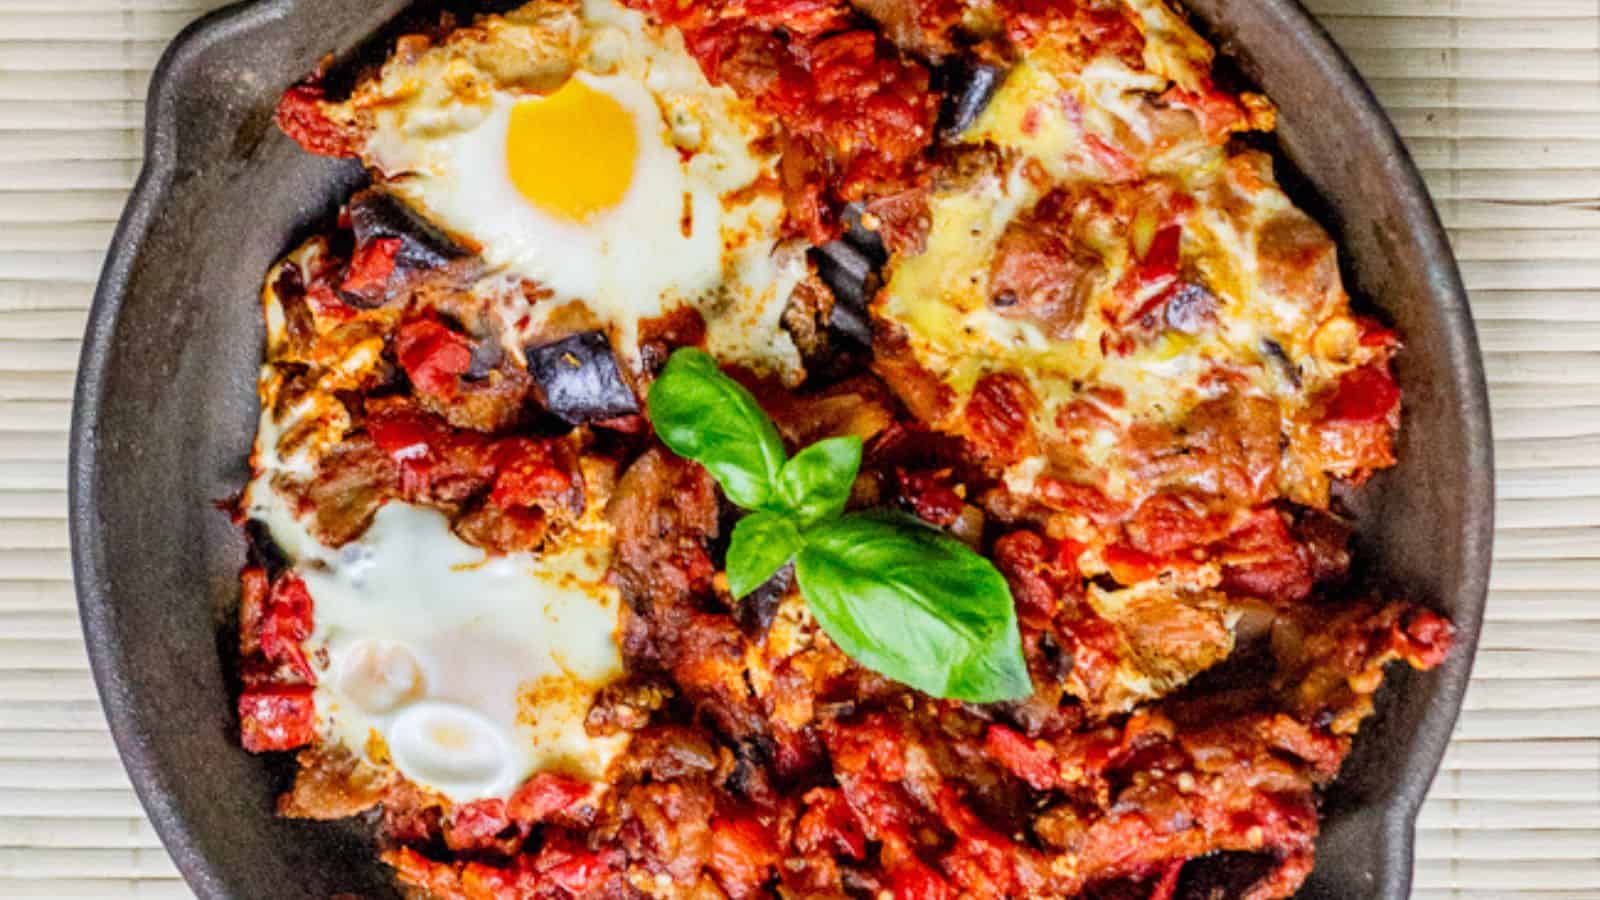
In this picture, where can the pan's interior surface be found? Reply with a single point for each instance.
(166, 412)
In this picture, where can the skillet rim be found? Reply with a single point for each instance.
(161, 158)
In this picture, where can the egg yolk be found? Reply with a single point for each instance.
(572, 153)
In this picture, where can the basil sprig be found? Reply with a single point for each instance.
(898, 596)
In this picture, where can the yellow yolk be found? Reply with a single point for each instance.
(572, 153)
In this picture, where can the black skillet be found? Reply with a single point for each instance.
(166, 408)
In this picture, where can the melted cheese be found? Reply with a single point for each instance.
(1093, 131)
(958, 335)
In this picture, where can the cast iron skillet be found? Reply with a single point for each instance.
(166, 411)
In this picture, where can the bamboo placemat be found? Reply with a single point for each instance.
(1500, 103)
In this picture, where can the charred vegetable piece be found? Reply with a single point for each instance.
(1223, 874)
(262, 550)
(853, 279)
(862, 238)
(755, 611)
(581, 380)
(1275, 353)
(486, 357)
(376, 214)
(968, 87)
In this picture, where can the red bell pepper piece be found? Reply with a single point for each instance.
(433, 356)
(1367, 394)
(279, 717)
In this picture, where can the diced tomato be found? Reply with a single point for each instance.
(930, 496)
(427, 449)
(912, 879)
(1368, 394)
(1375, 333)
(885, 811)
(527, 474)
(371, 267)
(476, 825)
(856, 113)
(1022, 556)
(1262, 559)
(1166, 525)
(325, 301)
(407, 433)
(873, 744)
(1082, 499)
(1129, 565)
(299, 115)
(829, 825)
(276, 718)
(285, 624)
(544, 795)
(1424, 638)
(1023, 758)
(433, 356)
(1066, 556)
(572, 867)
(1000, 416)
(982, 858)
(743, 852)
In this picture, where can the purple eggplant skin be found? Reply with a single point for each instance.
(866, 241)
(376, 213)
(1224, 874)
(581, 380)
(853, 278)
(968, 87)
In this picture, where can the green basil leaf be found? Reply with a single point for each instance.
(915, 605)
(762, 543)
(815, 483)
(704, 415)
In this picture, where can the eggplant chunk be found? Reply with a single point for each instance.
(968, 87)
(262, 550)
(1280, 360)
(755, 611)
(853, 279)
(1223, 874)
(581, 380)
(376, 213)
(862, 238)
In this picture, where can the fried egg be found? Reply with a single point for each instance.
(582, 150)
(465, 671)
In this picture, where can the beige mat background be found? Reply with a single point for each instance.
(1500, 103)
